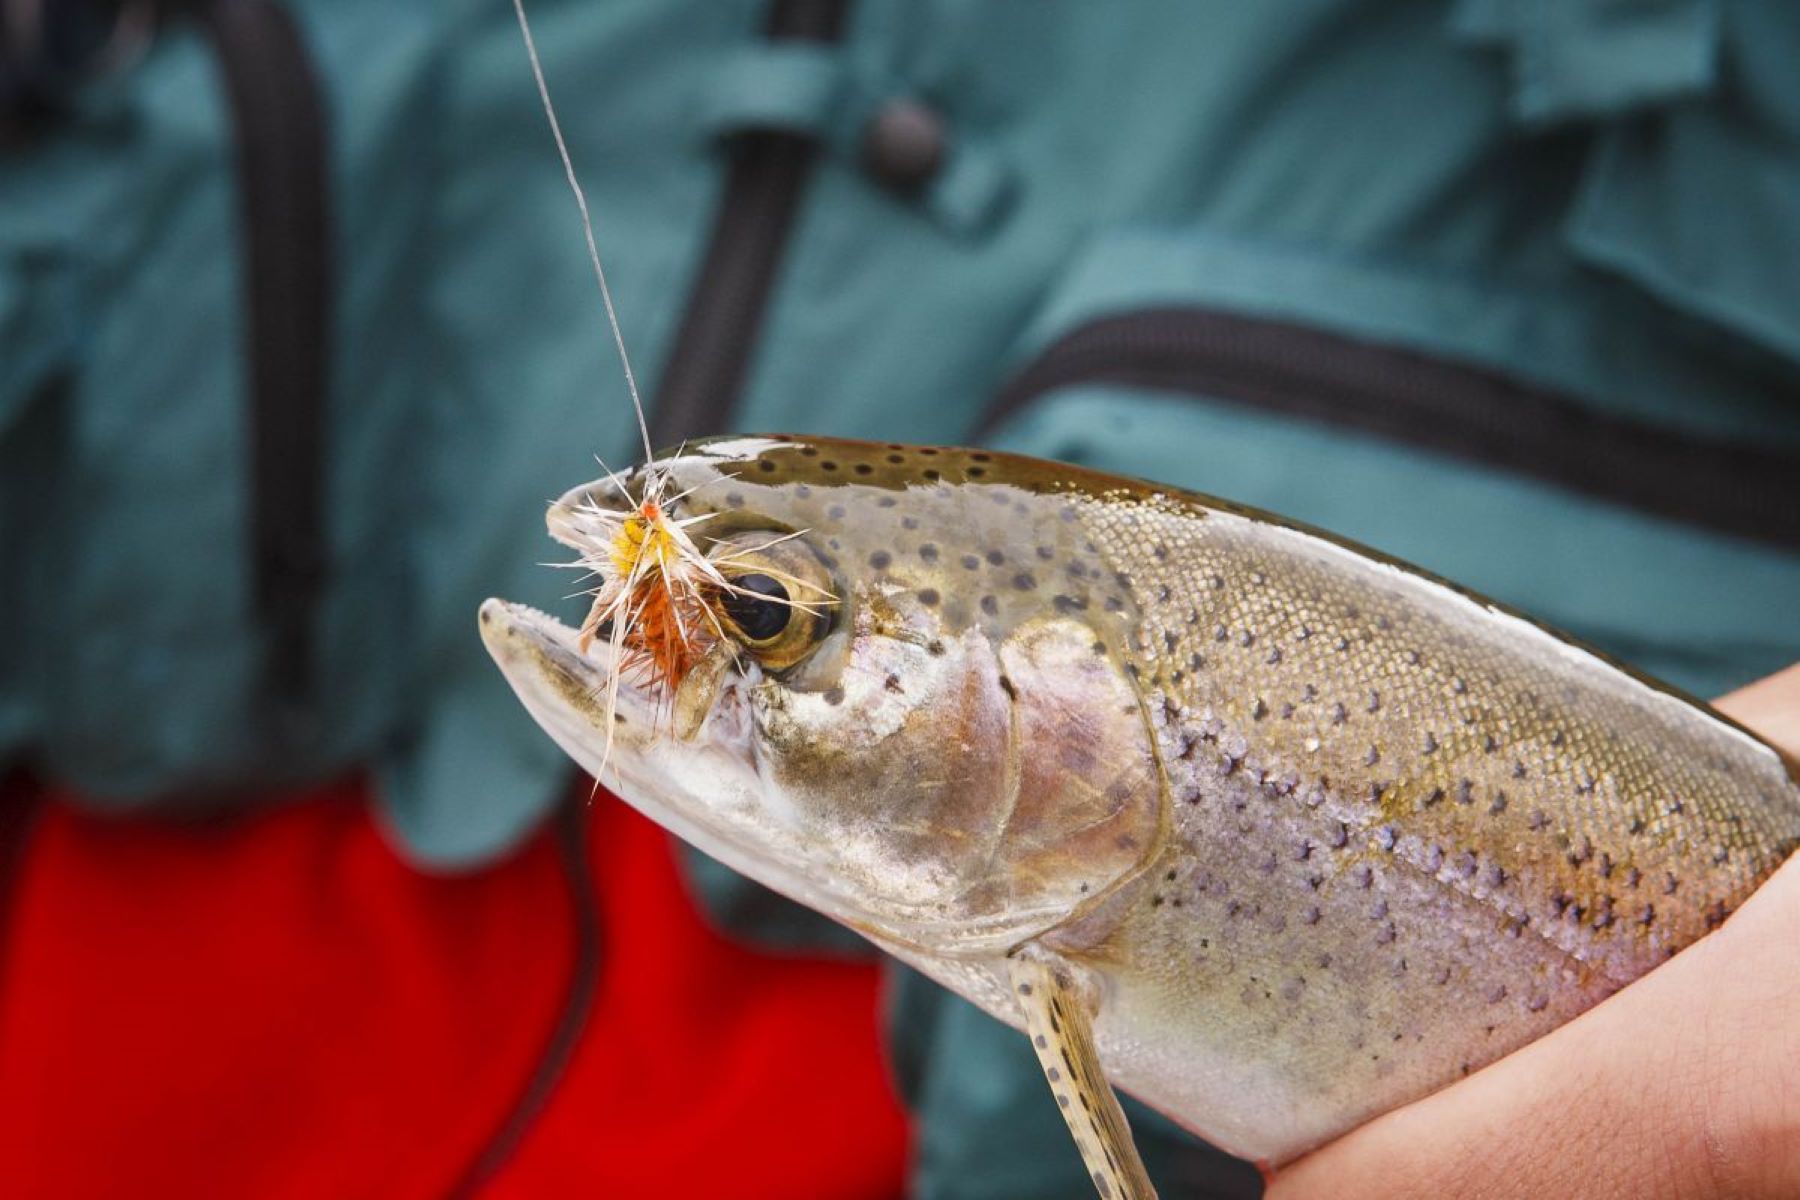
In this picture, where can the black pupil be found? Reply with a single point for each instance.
(759, 608)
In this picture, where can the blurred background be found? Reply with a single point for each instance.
(298, 336)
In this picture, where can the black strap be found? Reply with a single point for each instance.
(1738, 487)
(279, 121)
(571, 833)
(706, 364)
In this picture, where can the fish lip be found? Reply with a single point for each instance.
(563, 519)
(525, 641)
(503, 621)
(561, 685)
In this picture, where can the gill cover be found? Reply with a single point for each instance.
(975, 794)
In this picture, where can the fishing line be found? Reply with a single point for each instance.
(587, 224)
(658, 590)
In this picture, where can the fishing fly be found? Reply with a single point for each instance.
(660, 603)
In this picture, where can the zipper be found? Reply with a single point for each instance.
(1734, 487)
(570, 831)
(703, 374)
(279, 123)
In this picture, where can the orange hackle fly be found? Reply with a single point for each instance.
(655, 603)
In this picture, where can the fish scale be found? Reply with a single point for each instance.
(1412, 831)
(1303, 832)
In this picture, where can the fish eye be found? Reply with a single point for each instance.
(778, 600)
(760, 608)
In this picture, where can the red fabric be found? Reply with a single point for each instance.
(278, 1006)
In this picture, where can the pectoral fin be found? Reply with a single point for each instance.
(1059, 1019)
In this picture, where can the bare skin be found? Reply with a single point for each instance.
(1685, 1085)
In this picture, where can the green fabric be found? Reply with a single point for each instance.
(797, 87)
(1584, 58)
(1602, 197)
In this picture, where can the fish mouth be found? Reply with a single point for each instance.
(562, 686)
(706, 789)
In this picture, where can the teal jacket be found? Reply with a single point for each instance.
(1511, 290)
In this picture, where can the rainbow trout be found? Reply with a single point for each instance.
(1270, 831)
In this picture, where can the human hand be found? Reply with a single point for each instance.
(1685, 1084)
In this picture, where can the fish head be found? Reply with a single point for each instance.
(907, 717)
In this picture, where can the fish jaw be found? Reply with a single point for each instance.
(705, 788)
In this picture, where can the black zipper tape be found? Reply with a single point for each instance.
(570, 831)
(710, 355)
(1734, 487)
(279, 122)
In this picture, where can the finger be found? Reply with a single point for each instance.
(1771, 707)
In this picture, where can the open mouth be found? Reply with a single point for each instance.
(706, 790)
(619, 731)
(543, 659)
